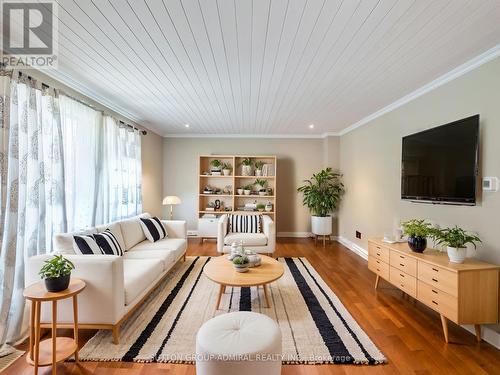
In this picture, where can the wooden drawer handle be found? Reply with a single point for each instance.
(402, 257)
(402, 275)
(402, 285)
(378, 254)
(435, 280)
(434, 302)
(378, 247)
(378, 269)
(378, 261)
(433, 291)
(435, 269)
(401, 264)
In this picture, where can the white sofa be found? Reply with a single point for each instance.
(116, 285)
(264, 242)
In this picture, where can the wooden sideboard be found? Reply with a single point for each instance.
(465, 293)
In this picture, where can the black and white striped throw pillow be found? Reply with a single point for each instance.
(244, 223)
(153, 229)
(85, 245)
(108, 243)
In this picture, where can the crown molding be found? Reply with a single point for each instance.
(459, 71)
(194, 135)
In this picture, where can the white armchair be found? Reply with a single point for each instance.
(264, 242)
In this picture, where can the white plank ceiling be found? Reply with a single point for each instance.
(264, 66)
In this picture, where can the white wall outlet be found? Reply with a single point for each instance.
(490, 184)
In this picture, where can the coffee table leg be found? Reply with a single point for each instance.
(32, 328)
(266, 295)
(221, 291)
(75, 325)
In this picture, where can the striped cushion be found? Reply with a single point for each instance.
(244, 223)
(85, 245)
(108, 243)
(153, 229)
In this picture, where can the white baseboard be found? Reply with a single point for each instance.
(294, 234)
(363, 253)
(489, 335)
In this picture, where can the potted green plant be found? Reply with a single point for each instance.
(246, 167)
(247, 189)
(455, 239)
(261, 207)
(417, 232)
(260, 184)
(258, 167)
(216, 166)
(56, 272)
(226, 169)
(241, 263)
(322, 194)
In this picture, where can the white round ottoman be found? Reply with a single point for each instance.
(242, 343)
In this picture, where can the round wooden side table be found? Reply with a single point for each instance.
(56, 349)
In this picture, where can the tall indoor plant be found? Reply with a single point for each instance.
(322, 194)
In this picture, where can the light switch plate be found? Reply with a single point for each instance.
(490, 184)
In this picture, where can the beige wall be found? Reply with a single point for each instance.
(297, 160)
(152, 167)
(152, 174)
(370, 158)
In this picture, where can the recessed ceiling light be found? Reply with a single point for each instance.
(311, 126)
(186, 126)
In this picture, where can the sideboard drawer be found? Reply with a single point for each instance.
(438, 300)
(404, 263)
(438, 277)
(379, 267)
(378, 252)
(403, 281)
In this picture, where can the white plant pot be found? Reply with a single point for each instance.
(247, 192)
(246, 170)
(456, 255)
(321, 225)
(258, 172)
(226, 172)
(240, 191)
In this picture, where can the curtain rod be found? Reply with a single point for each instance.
(44, 85)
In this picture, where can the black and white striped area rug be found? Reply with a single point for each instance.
(315, 325)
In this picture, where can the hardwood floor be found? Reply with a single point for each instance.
(407, 332)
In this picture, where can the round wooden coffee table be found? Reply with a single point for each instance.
(221, 271)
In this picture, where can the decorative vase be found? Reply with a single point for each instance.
(417, 244)
(226, 172)
(246, 170)
(240, 191)
(258, 172)
(241, 267)
(57, 284)
(456, 254)
(321, 225)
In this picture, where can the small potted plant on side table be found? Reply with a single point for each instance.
(455, 239)
(417, 232)
(241, 263)
(56, 272)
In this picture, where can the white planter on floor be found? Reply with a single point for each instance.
(456, 255)
(321, 225)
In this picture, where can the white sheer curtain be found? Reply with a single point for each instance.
(82, 134)
(121, 175)
(32, 192)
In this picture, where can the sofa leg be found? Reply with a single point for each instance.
(116, 334)
(184, 257)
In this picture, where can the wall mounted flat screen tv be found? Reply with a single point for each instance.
(440, 165)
